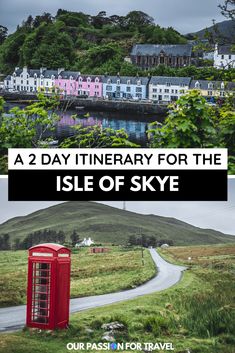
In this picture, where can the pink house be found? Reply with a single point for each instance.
(74, 84)
(89, 85)
(66, 82)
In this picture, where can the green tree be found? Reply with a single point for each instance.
(190, 123)
(97, 137)
(28, 127)
(75, 238)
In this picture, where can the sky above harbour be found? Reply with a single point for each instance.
(214, 215)
(184, 15)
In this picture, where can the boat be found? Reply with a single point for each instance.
(78, 107)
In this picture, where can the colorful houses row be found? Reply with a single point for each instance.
(71, 83)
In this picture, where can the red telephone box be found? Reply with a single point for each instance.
(48, 286)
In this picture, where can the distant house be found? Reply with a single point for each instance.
(212, 89)
(224, 57)
(98, 250)
(85, 242)
(168, 89)
(164, 246)
(125, 87)
(31, 80)
(66, 82)
(147, 56)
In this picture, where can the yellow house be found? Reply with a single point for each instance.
(216, 89)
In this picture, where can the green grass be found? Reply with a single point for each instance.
(196, 314)
(91, 274)
(107, 224)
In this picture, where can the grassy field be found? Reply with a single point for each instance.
(195, 315)
(91, 273)
(108, 224)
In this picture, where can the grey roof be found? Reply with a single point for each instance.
(8, 78)
(49, 73)
(123, 79)
(163, 80)
(156, 49)
(205, 84)
(92, 77)
(68, 74)
(225, 49)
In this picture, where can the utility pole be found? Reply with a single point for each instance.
(142, 248)
(124, 205)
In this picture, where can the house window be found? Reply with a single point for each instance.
(118, 89)
(168, 84)
(21, 82)
(197, 85)
(160, 90)
(80, 86)
(222, 94)
(222, 85)
(35, 83)
(154, 90)
(138, 89)
(118, 82)
(210, 85)
(167, 91)
(172, 91)
(222, 57)
(209, 93)
(138, 82)
(230, 57)
(128, 82)
(47, 83)
(88, 86)
(138, 95)
(27, 82)
(108, 81)
(176, 91)
(108, 88)
(128, 89)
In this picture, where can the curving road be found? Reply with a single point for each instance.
(13, 318)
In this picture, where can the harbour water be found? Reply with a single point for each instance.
(135, 125)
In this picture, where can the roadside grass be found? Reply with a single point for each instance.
(197, 314)
(91, 274)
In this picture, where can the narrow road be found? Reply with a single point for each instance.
(13, 318)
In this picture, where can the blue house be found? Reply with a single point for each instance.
(119, 87)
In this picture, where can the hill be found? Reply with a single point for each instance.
(107, 224)
(224, 32)
(81, 42)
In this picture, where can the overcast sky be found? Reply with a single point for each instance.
(184, 15)
(213, 215)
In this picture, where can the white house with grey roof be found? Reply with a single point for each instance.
(168, 89)
(147, 56)
(125, 87)
(31, 80)
(224, 57)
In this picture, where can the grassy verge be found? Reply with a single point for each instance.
(196, 315)
(91, 273)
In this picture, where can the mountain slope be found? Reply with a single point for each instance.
(226, 29)
(108, 224)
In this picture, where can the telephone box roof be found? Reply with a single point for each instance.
(51, 246)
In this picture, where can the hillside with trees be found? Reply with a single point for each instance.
(74, 40)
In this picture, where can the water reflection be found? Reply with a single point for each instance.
(135, 125)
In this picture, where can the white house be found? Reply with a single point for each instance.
(167, 89)
(30, 80)
(85, 242)
(125, 87)
(224, 57)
